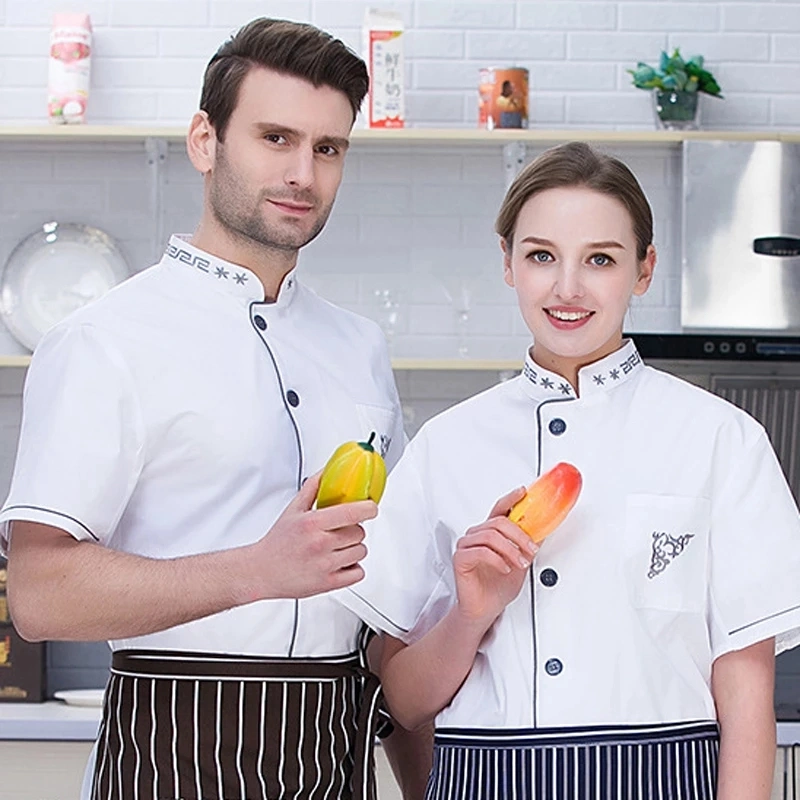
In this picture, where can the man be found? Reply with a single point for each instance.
(168, 463)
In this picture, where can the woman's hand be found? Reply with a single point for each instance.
(491, 562)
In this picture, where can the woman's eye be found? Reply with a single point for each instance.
(601, 260)
(540, 256)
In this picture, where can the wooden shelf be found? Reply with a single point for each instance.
(14, 361)
(400, 364)
(451, 364)
(404, 136)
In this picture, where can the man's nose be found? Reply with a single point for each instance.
(300, 169)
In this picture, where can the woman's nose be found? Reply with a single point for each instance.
(569, 283)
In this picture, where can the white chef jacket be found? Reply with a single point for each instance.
(684, 545)
(180, 413)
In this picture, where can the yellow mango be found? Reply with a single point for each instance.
(355, 471)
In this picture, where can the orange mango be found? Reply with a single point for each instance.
(548, 501)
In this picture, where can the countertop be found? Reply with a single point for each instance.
(57, 721)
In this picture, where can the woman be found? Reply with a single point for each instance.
(632, 654)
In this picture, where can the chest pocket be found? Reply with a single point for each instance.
(377, 420)
(666, 551)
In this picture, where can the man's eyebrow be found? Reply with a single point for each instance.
(284, 130)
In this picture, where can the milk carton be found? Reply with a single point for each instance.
(68, 75)
(383, 52)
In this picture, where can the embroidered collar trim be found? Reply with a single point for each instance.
(598, 377)
(225, 276)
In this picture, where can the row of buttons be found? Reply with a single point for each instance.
(549, 577)
(292, 398)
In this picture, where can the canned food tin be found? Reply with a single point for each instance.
(503, 98)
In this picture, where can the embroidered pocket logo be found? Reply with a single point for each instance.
(666, 549)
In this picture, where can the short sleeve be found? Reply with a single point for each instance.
(755, 551)
(81, 445)
(407, 586)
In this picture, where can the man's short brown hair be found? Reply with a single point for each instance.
(291, 48)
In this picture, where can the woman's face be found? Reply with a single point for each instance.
(574, 267)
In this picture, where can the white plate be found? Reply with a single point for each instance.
(81, 697)
(53, 272)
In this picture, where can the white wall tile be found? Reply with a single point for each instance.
(768, 17)
(434, 44)
(134, 105)
(570, 76)
(668, 16)
(604, 110)
(192, 42)
(337, 14)
(546, 110)
(785, 112)
(177, 106)
(718, 47)
(766, 79)
(39, 13)
(176, 14)
(568, 16)
(24, 42)
(233, 13)
(786, 47)
(443, 75)
(150, 73)
(486, 15)
(123, 43)
(435, 107)
(736, 111)
(621, 47)
(517, 48)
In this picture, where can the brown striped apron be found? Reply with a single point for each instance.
(199, 726)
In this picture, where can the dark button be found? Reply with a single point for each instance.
(549, 577)
(553, 666)
(557, 426)
(260, 322)
(293, 398)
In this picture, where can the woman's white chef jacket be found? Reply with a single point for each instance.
(179, 414)
(683, 545)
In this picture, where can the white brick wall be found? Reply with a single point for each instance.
(146, 51)
(406, 218)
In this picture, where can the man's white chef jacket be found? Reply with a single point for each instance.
(180, 413)
(683, 545)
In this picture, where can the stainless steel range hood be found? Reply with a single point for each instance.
(741, 237)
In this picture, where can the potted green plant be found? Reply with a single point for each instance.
(676, 85)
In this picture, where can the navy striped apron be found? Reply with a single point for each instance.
(650, 762)
(198, 726)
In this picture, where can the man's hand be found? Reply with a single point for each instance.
(491, 562)
(308, 551)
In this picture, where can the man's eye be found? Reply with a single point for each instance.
(276, 138)
(327, 150)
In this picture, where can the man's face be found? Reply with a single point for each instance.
(275, 176)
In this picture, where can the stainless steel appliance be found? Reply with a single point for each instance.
(741, 236)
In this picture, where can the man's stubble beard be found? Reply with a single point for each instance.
(244, 219)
